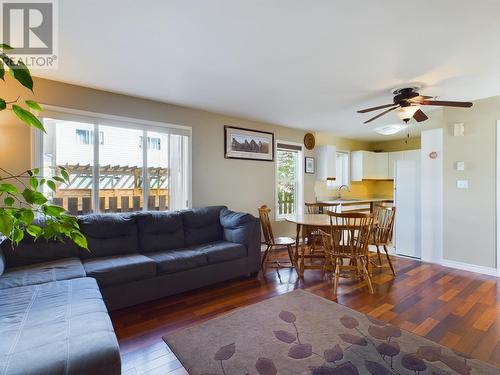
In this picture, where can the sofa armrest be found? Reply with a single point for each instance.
(244, 229)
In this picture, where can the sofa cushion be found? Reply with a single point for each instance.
(30, 251)
(56, 328)
(172, 261)
(159, 231)
(62, 269)
(109, 234)
(120, 269)
(202, 225)
(221, 251)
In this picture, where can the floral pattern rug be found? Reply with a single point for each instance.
(301, 333)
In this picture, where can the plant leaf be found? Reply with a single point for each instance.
(17, 236)
(22, 75)
(53, 210)
(9, 201)
(5, 46)
(27, 216)
(34, 230)
(34, 105)
(51, 185)
(65, 175)
(3, 105)
(28, 117)
(33, 182)
(33, 197)
(8, 188)
(6, 224)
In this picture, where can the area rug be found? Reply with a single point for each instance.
(301, 333)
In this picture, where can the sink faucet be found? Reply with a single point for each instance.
(339, 190)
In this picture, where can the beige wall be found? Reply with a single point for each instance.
(469, 215)
(397, 145)
(240, 184)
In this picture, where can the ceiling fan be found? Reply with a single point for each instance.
(408, 101)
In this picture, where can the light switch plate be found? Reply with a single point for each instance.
(460, 166)
(462, 184)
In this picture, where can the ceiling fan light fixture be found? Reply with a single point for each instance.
(389, 129)
(406, 113)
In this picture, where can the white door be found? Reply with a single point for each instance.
(407, 201)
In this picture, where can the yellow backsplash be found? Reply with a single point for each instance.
(360, 189)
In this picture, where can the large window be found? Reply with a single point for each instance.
(139, 167)
(289, 197)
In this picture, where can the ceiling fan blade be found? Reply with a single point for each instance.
(381, 114)
(446, 103)
(420, 116)
(419, 99)
(375, 108)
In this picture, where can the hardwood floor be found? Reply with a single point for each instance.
(455, 308)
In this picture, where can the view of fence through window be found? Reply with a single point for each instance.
(121, 167)
(287, 168)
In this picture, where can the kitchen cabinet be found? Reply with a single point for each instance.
(327, 162)
(368, 165)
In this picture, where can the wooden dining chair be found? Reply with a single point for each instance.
(315, 237)
(273, 243)
(348, 241)
(382, 235)
(320, 207)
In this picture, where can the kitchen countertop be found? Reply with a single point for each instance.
(358, 200)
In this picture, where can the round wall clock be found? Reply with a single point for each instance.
(309, 141)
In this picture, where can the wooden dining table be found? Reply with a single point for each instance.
(306, 223)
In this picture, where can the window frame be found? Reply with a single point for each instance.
(299, 204)
(96, 119)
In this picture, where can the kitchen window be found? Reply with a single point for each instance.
(119, 175)
(289, 179)
(342, 170)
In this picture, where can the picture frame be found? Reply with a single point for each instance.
(248, 144)
(310, 166)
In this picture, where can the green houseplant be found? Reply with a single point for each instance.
(20, 199)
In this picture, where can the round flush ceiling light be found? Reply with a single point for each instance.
(389, 129)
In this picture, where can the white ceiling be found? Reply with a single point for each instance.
(300, 63)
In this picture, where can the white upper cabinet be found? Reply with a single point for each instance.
(327, 162)
(368, 165)
(381, 165)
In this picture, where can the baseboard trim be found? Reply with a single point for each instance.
(470, 267)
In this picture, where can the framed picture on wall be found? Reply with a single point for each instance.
(240, 143)
(310, 165)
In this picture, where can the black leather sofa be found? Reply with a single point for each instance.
(54, 297)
